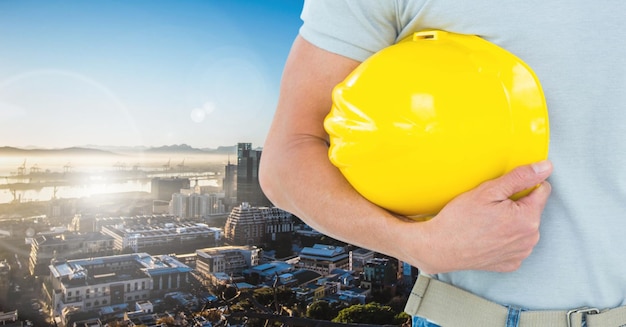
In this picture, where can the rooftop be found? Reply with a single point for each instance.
(163, 230)
(80, 271)
(323, 252)
(271, 268)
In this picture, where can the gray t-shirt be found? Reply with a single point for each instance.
(578, 52)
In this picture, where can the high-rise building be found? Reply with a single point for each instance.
(248, 186)
(196, 205)
(229, 183)
(177, 205)
(216, 204)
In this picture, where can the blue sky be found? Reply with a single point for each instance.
(148, 73)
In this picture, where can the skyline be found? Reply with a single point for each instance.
(142, 73)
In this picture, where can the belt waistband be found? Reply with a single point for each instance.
(449, 306)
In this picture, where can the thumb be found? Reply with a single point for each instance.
(522, 178)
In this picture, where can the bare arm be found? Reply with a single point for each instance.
(297, 176)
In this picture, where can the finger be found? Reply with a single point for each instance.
(520, 179)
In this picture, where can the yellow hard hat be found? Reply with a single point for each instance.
(433, 116)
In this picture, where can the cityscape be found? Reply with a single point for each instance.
(201, 245)
(125, 199)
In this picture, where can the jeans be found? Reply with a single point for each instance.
(422, 322)
(512, 319)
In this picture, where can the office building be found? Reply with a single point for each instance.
(359, 258)
(248, 186)
(226, 260)
(89, 284)
(379, 274)
(324, 258)
(229, 184)
(267, 272)
(45, 247)
(141, 237)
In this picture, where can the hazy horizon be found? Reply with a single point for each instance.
(37, 177)
(124, 147)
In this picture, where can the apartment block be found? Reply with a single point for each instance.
(249, 225)
(324, 258)
(379, 273)
(230, 260)
(359, 258)
(139, 237)
(45, 247)
(196, 205)
(89, 284)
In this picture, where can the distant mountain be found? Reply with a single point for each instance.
(119, 150)
(232, 149)
(174, 149)
(7, 150)
(184, 148)
(112, 148)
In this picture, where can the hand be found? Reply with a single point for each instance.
(483, 229)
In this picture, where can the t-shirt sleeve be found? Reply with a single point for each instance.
(352, 28)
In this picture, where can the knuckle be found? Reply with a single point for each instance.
(488, 190)
(532, 227)
(528, 243)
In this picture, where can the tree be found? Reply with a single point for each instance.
(266, 296)
(371, 313)
(319, 310)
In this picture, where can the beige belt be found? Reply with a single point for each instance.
(449, 306)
